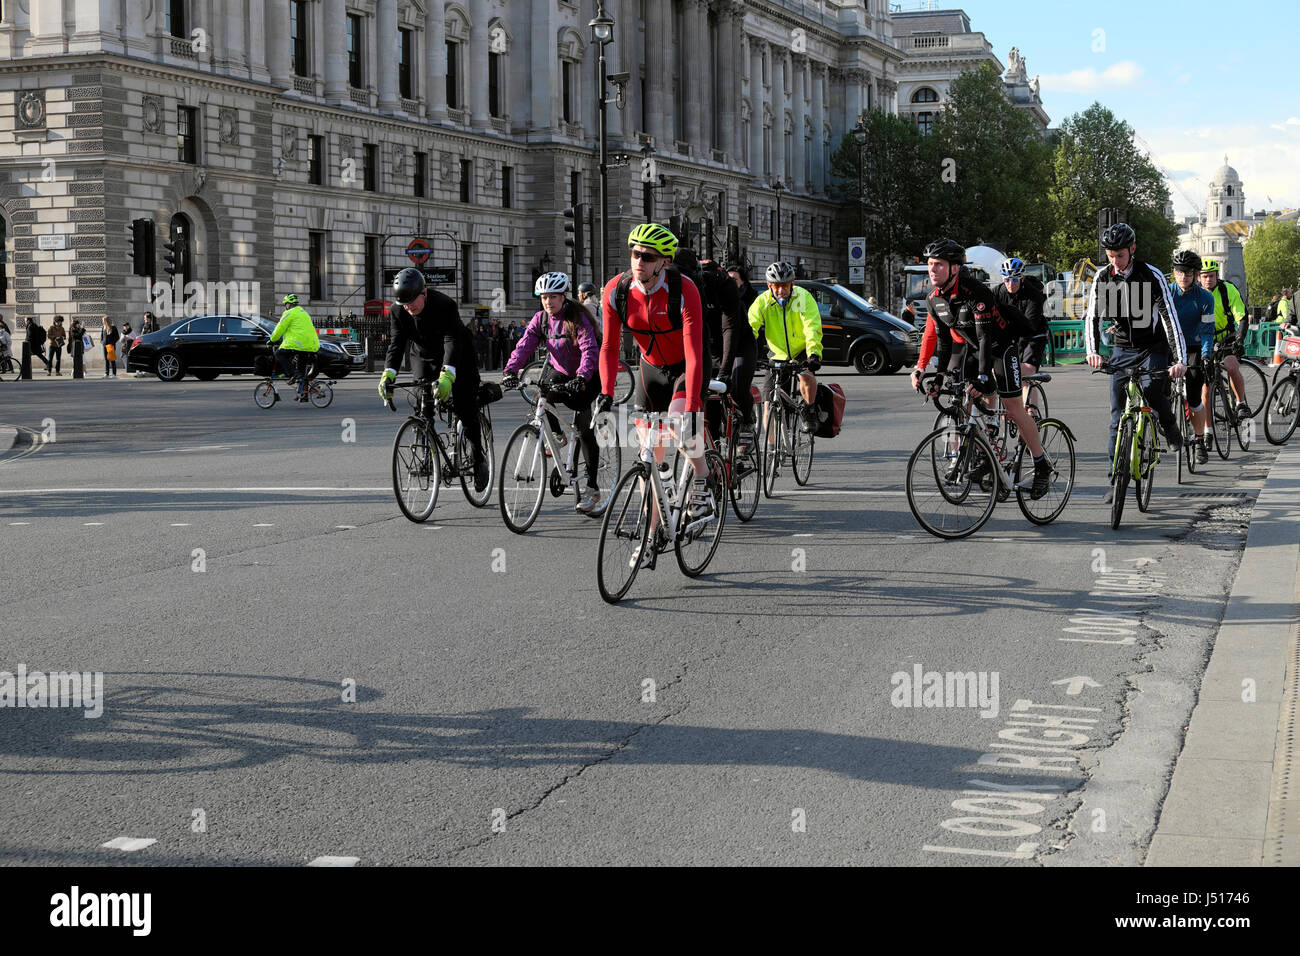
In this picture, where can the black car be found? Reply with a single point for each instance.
(856, 333)
(212, 345)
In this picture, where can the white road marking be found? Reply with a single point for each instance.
(345, 527)
(180, 524)
(159, 451)
(129, 844)
(335, 861)
(92, 524)
(804, 535)
(15, 524)
(263, 525)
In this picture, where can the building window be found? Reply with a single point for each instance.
(925, 95)
(1228, 191)
(925, 123)
(177, 22)
(645, 123)
(316, 160)
(566, 87)
(1229, 212)
(316, 261)
(187, 134)
(507, 272)
(495, 64)
(421, 166)
(507, 186)
(467, 272)
(298, 36)
(406, 53)
(466, 179)
(372, 167)
(355, 66)
(453, 72)
(575, 188)
(371, 282)
(749, 217)
(4, 244)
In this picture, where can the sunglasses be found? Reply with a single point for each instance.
(650, 257)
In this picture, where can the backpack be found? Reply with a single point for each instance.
(830, 410)
(595, 320)
(37, 335)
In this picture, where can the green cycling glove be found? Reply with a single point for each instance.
(445, 381)
(385, 382)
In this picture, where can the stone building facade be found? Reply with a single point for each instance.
(301, 144)
(1222, 228)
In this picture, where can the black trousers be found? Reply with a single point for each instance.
(464, 399)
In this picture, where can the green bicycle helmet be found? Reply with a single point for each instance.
(290, 299)
(655, 237)
(1210, 265)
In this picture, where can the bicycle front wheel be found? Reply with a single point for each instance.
(528, 379)
(697, 538)
(1280, 416)
(463, 459)
(609, 464)
(623, 384)
(746, 470)
(11, 370)
(416, 470)
(264, 394)
(946, 494)
(1188, 459)
(1147, 455)
(523, 474)
(1256, 386)
(321, 394)
(1123, 464)
(1059, 451)
(771, 448)
(624, 534)
(801, 451)
(1221, 419)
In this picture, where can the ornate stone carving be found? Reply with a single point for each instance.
(345, 145)
(399, 160)
(289, 142)
(29, 110)
(228, 126)
(151, 108)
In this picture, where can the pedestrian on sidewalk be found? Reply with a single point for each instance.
(109, 338)
(150, 324)
(58, 336)
(6, 346)
(127, 341)
(36, 339)
(77, 348)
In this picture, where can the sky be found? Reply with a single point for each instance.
(1195, 80)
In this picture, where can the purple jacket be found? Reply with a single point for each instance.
(570, 359)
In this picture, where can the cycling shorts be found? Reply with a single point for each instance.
(654, 386)
(1032, 352)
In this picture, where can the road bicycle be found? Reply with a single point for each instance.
(531, 374)
(431, 450)
(970, 462)
(738, 447)
(1137, 450)
(1282, 409)
(1186, 427)
(645, 491)
(531, 463)
(1224, 420)
(784, 438)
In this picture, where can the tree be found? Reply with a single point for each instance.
(1098, 166)
(1272, 257)
(992, 168)
(894, 211)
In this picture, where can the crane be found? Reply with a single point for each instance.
(1151, 154)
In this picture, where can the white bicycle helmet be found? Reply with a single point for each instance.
(556, 282)
(779, 272)
(1012, 268)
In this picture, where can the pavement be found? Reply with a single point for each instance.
(1233, 799)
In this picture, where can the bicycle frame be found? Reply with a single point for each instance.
(444, 414)
(1137, 410)
(672, 507)
(570, 432)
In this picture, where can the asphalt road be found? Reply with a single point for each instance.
(502, 711)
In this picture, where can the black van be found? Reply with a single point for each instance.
(857, 333)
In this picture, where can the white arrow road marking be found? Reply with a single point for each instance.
(129, 844)
(335, 861)
(1076, 684)
(1142, 562)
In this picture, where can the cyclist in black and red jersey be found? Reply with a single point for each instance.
(662, 310)
(960, 304)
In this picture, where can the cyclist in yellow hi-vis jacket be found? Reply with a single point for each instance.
(788, 316)
(299, 340)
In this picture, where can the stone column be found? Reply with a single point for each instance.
(852, 97)
(336, 53)
(477, 74)
(98, 27)
(818, 121)
(544, 81)
(798, 172)
(656, 68)
(756, 101)
(630, 59)
(728, 80)
(780, 65)
(704, 112)
(615, 57)
(435, 63)
(387, 52)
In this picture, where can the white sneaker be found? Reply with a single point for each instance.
(701, 503)
(646, 556)
(589, 502)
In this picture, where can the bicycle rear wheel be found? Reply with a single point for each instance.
(623, 384)
(1059, 451)
(950, 505)
(771, 450)
(624, 534)
(264, 394)
(1036, 402)
(321, 394)
(523, 478)
(1147, 468)
(1221, 419)
(745, 469)
(1188, 426)
(1256, 386)
(697, 540)
(463, 459)
(417, 473)
(1280, 416)
(801, 450)
(1122, 463)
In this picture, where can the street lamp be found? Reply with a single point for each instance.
(602, 33)
(779, 189)
(860, 137)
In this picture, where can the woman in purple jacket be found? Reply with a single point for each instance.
(566, 329)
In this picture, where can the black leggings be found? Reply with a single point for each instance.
(581, 404)
(464, 399)
(741, 375)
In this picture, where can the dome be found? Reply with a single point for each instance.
(1225, 174)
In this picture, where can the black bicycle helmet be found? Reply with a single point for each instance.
(1187, 261)
(945, 249)
(1119, 236)
(586, 288)
(407, 286)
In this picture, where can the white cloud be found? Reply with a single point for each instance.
(1293, 121)
(1115, 76)
(1266, 159)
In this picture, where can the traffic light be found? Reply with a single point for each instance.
(706, 240)
(675, 226)
(172, 257)
(142, 251)
(575, 218)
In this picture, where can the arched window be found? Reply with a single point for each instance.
(1228, 190)
(1229, 212)
(925, 95)
(925, 123)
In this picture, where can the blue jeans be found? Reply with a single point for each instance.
(1156, 394)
